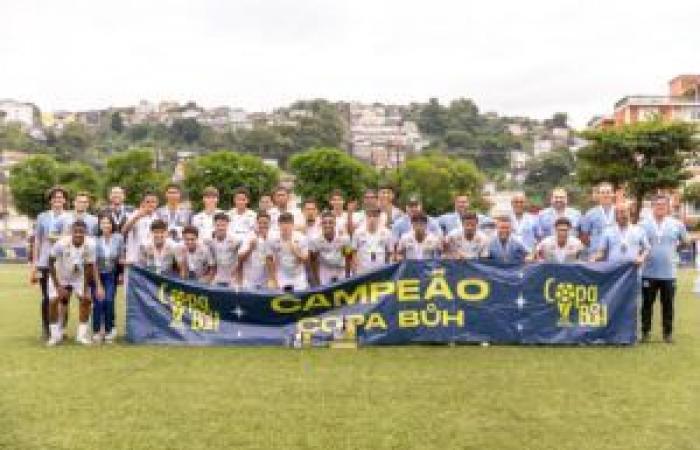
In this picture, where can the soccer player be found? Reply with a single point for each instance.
(224, 247)
(50, 226)
(173, 213)
(665, 233)
(389, 212)
(204, 220)
(624, 241)
(242, 219)
(312, 223)
(524, 224)
(404, 224)
(160, 254)
(72, 268)
(265, 203)
(373, 244)
(330, 254)
(453, 221)
(117, 210)
(505, 247)
(419, 243)
(281, 200)
(337, 202)
(252, 256)
(559, 208)
(109, 253)
(137, 229)
(287, 255)
(81, 204)
(196, 261)
(561, 247)
(598, 219)
(467, 242)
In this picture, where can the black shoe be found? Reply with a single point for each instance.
(645, 338)
(668, 339)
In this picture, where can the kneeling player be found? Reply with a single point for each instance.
(466, 242)
(330, 253)
(197, 262)
(72, 267)
(419, 243)
(373, 244)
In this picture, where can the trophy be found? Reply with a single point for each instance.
(347, 338)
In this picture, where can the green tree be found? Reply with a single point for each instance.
(432, 118)
(436, 178)
(29, 182)
(319, 171)
(77, 176)
(188, 131)
(642, 157)
(72, 144)
(227, 170)
(550, 170)
(116, 123)
(134, 170)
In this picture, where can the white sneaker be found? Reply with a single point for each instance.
(112, 335)
(53, 341)
(96, 338)
(83, 340)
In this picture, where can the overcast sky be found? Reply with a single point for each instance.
(514, 57)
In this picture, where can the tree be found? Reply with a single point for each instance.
(116, 123)
(432, 118)
(319, 171)
(29, 182)
(550, 170)
(134, 170)
(643, 157)
(436, 178)
(187, 130)
(227, 170)
(77, 176)
(72, 143)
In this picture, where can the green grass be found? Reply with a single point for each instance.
(374, 398)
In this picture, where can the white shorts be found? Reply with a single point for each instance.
(77, 287)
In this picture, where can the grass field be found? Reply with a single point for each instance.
(124, 397)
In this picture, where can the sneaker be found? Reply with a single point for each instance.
(83, 340)
(112, 335)
(668, 339)
(96, 338)
(53, 341)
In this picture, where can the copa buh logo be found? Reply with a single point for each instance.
(576, 303)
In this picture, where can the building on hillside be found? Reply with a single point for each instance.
(12, 111)
(14, 227)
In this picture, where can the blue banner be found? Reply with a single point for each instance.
(440, 301)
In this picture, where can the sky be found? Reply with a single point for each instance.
(530, 58)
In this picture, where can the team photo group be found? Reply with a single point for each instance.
(281, 246)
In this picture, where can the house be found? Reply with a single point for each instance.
(12, 111)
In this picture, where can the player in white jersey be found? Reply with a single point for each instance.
(160, 254)
(330, 253)
(197, 262)
(242, 219)
(418, 243)
(204, 220)
(372, 244)
(561, 247)
(224, 248)
(282, 205)
(337, 203)
(137, 229)
(287, 255)
(72, 267)
(312, 222)
(173, 213)
(467, 242)
(252, 256)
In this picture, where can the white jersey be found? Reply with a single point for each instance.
(290, 270)
(198, 261)
(275, 213)
(225, 255)
(241, 224)
(163, 259)
(70, 262)
(139, 234)
(312, 231)
(459, 247)
(255, 274)
(331, 257)
(373, 250)
(412, 249)
(204, 222)
(550, 251)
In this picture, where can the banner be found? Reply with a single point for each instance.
(439, 301)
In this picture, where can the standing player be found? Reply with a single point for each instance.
(665, 234)
(72, 268)
(419, 242)
(282, 205)
(173, 213)
(559, 208)
(312, 223)
(373, 244)
(117, 210)
(598, 219)
(287, 255)
(561, 247)
(160, 254)
(109, 253)
(453, 221)
(624, 241)
(252, 256)
(204, 220)
(337, 202)
(242, 219)
(330, 254)
(224, 249)
(50, 226)
(137, 229)
(504, 247)
(524, 224)
(389, 212)
(196, 261)
(404, 224)
(467, 242)
(81, 204)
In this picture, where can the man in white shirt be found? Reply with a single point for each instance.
(224, 248)
(204, 220)
(197, 262)
(467, 242)
(561, 247)
(372, 244)
(81, 204)
(389, 212)
(160, 254)
(330, 253)
(287, 256)
(137, 229)
(281, 200)
(252, 256)
(312, 223)
(624, 241)
(173, 213)
(242, 219)
(337, 202)
(72, 267)
(559, 208)
(419, 243)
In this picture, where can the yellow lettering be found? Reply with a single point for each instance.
(375, 320)
(408, 290)
(286, 304)
(380, 289)
(439, 287)
(479, 290)
(341, 297)
(408, 319)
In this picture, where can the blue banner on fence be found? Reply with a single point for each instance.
(410, 302)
